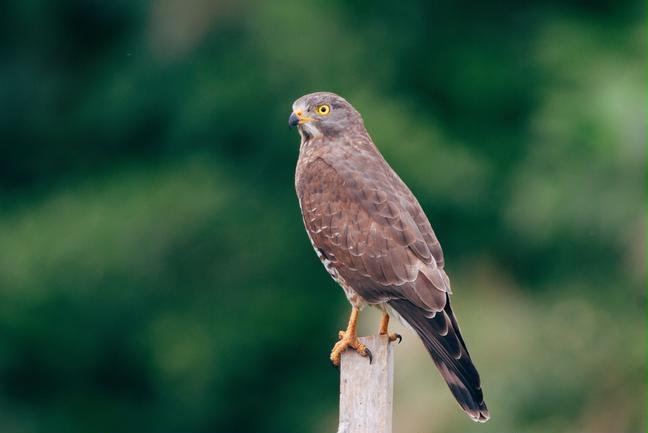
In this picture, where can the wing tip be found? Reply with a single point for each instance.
(480, 416)
(457, 370)
(471, 402)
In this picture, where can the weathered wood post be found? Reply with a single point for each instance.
(366, 389)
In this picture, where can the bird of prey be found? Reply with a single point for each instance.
(374, 239)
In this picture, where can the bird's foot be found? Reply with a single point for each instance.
(393, 337)
(384, 326)
(347, 340)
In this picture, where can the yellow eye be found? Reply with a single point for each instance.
(323, 109)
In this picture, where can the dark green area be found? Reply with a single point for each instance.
(154, 271)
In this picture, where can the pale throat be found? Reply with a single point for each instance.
(308, 131)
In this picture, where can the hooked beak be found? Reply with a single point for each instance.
(296, 118)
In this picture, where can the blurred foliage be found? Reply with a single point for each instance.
(154, 272)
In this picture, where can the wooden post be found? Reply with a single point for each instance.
(366, 390)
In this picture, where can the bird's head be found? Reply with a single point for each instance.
(323, 114)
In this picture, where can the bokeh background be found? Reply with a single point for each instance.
(154, 272)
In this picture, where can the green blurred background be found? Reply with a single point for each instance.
(154, 271)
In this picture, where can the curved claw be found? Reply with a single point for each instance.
(351, 342)
(394, 337)
(369, 355)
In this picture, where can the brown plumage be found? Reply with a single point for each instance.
(373, 237)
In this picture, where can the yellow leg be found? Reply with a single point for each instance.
(384, 324)
(349, 338)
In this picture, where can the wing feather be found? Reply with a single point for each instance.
(378, 246)
(379, 240)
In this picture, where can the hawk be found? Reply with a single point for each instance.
(374, 239)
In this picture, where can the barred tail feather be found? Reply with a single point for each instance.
(442, 339)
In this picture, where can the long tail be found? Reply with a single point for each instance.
(442, 338)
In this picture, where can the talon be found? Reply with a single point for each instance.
(363, 351)
(394, 337)
(349, 341)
